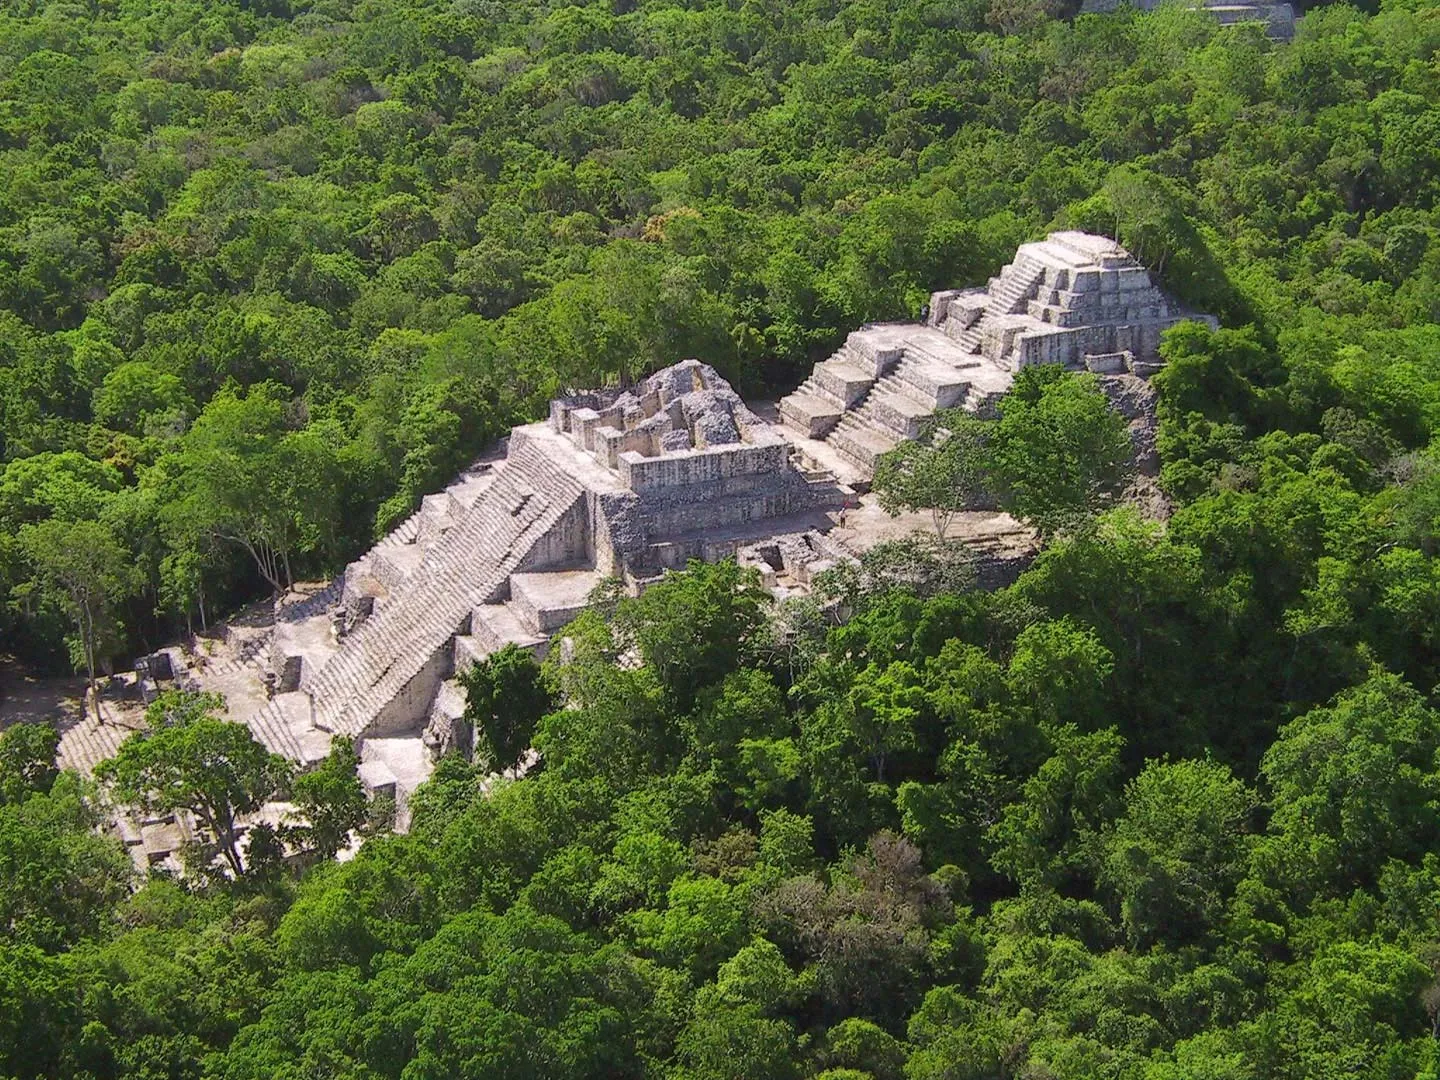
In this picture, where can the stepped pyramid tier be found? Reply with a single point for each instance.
(1073, 298)
(697, 471)
(625, 483)
(1278, 19)
(620, 483)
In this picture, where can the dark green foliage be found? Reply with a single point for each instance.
(505, 697)
(191, 759)
(331, 800)
(27, 761)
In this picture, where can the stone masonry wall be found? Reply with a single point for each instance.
(644, 475)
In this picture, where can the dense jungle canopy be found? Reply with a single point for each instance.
(1168, 808)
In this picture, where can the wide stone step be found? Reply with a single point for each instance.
(550, 600)
(842, 380)
(895, 385)
(809, 415)
(967, 337)
(469, 651)
(895, 412)
(873, 357)
(937, 385)
(861, 443)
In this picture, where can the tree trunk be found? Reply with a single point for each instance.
(942, 522)
(232, 854)
(264, 557)
(87, 642)
(223, 826)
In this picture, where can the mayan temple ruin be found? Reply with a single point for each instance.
(1072, 299)
(626, 484)
(1277, 18)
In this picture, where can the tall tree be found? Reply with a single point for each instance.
(331, 799)
(1059, 450)
(944, 471)
(505, 697)
(249, 474)
(80, 568)
(190, 759)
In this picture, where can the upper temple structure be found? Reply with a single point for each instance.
(1072, 299)
(1278, 18)
(624, 484)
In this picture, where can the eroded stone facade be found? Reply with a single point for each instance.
(1278, 18)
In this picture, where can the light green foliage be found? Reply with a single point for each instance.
(1059, 451)
(944, 471)
(864, 1049)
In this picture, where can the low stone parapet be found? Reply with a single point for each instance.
(1109, 363)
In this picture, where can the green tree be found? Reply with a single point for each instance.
(331, 799)
(944, 471)
(246, 475)
(506, 694)
(1177, 850)
(1051, 835)
(190, 759)
(1353, 783)
(80, 568)
(1059, 450)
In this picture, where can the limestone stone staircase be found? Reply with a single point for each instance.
(1009, 294)
(834, 386)
(388, 662)
(84, 743)
(882, 385)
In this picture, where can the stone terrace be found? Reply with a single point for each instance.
(1072, 299)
